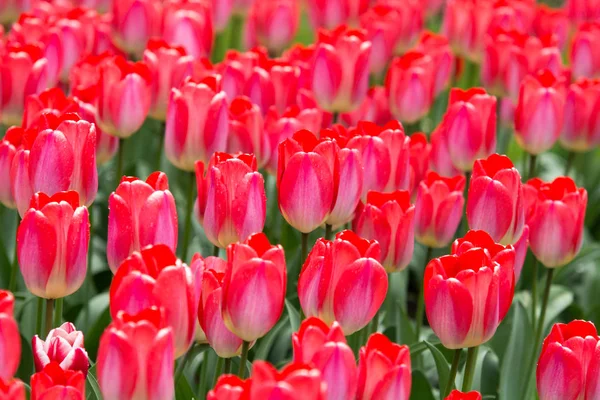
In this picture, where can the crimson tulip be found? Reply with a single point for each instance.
(63, 345)
(439, 156)
(419, 152)
(12, 389)
(374, 108)
(246, 130)
(551, 21)
(10, 340)
(581, 126)
(272, 24)
(55, 382)
(458, 395)
(295, 382)
(229, 387)
(134, 22)
(584, 59)
(189, 24)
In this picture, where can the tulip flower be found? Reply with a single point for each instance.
(469, 126)
(286, 81)
(63, 345)
(582, 10)
(134, 22)
(57, 155)
(295, 382)
(231, 201)
(384, 370)
(312, 336)
(155, 277)
(189, 24)
(124, 96)
(569, 362)
(246, 130)
(388, 218)
(541, 101)
(340, 78)
(23, 71)
(10, 340)
(140, 347)
(12, 389)
(555, 213)
(458, 395)
(419, 156)
(9, 145)
(438, 210)
(384, 26)
(462, 314)
(374, 108)
(331, 13)
(551, 21)
(229, 387)
(438, 48)
(495, 201)
(221, 13)
(584, 59)
(49, 101)
(253, 287)
(439, 155)
(52, 244)
(55, 382)
(581, 127)
(272, 24)
(336, 275)
(239, 70)
(465, 23)
(141, 213)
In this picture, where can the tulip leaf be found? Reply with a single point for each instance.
(487, 372)
(183, 390)
(294, 316)
(266, 342)
(441, 364)
(92, 388)
(420, 388)
(516, 357)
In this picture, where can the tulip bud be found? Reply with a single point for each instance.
(295, 382)
(383, 24)
(253, 287)
(581, 126)
(54, 381)
(457, 395)
(584, 59)
(354, 292)
(229, 387)
(140, 347)
(312, 336)
(555, 213)
(246, 128)
(439, 208)
(541, 101)
(374, 108)
(439, 159)
(569, 362)
(52, 244)
(12, 389)
(10, 340)
(49, 101)
(331, 13)
(272, 24)
(384, 370)
(551, 21)
(9, 145)
(462, 314)
(419, 156)
(465, 24)
(134, 22)
(388, 218)
(140, 214)
(189, 24)
(63, 345)
(438, 48)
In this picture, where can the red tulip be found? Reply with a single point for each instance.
(385, 29)
(9, 145)
(374, 108)
(312, 336)
(221, 12)
(495, 201)
(541, 103)
(23, 71)
(12, 389)
(253, 287)
(581, 126)
(285, 78)
(469, 126)
(246, 130)
(388, 218)
(343, 281)
(197, 122)
(10, 340)
(188, 23)
(460, 312)
(55, 383)
(57, 155)
(340, 78)
(134, 22)
(584, 59)
(465, 24)
(237, 69)
(438, 48)
(582, 10)
(331, 13)
(439, 208)
(140, 214)
(229, 387)
(52, 244)
(555, 213)
(551, 21)
(439, 156)
(569, 363)
(63, 345)
(384, 370)
(49, 101)
(272, 23)
(295, 382)
(419, 155)
(457, 395)
(140, 348)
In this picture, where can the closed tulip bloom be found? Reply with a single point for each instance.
(340, 78)
(141, 213)
(329, 14)
(253, 287)
(584, 59)
(312, 336)
(12, 389)
(63, 345)
(551, 21)
(458, 395)
(581, 125)
(342, 280)
(221, 12)
(189, 24)
(388, 218)
(582, 10)
(295, 382)
(438, 48)
(384, 31)
(10, 340)
(439, 207)
(539, 112)
(374, 108)
(229, 387)
(495, 201)
(23, 71)
(272, 24)
(569, 363)
(54, 382)
(555, 213)
(465, 24)
(52, 101)
(384, 370)
(419, 159)
(52, 244)
(246, 130)
(439, 156)
(134, 22)
(140, 347)
(468, 293)
(9, 145)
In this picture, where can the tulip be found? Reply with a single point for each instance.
(237, 69)
(462, 314)
(340, 78)
(388, 218)
(140, 214)
(469, 126)
(383, 24)
(331, 13)
(295, 382)
(551, 21)
(439, 156)
(285, 78)
(374, 108)
(584, 59)
(439, 208)
(10, 340)
(465, 24)
(9, 145)
(57, 155)
(343, 281)
(23, 71)
(495, 201)
(231, 198)
(569, 362)
(419, 155)
(139, 347)
(457, 395)
(229, 387)
(555, 213)
(384, 370)
(541, 101)
(55, 382)
(189, 24)
(581, 127)
(438, 48)
(106, 145)
(312, 336)
(12, 389)
(582, 10)
(134, 22)
(221, 13)
(246, 128)
(52, 244)
(63, 345)
(49, 101)
(124, 96)
(253, 287)
(272, 24)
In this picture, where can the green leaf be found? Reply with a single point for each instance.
(441, 364)
(421, 389)
(265, 344)
(294, 316)
(487, 372)
(26, 367)
(92, 388)
(560, 299)
(516, 358)
(183, 390)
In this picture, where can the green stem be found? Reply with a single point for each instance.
(569, 164)
(188, 215)
(227, 367)
(328, 231)
(336, 118)
(58, 312)
(470, 368)
(216, 250)
(374, 325)
(413, 127)
(162, 126)
(532, 162)
(304, 248)
(40, 317)
(120, 156)
(15, 265)
(243, 359)
(534, 278)
(218, 370)
(203, 374)
(49, 314)
(421, 300)
(220, 45)
(453, 372)
(237, 27)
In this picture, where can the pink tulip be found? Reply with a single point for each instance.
(384, 30)
(53, 382)
(134, 22)
(438, 48)
(10, 340)
(374, 108)
(584, 59)
(9, 145)
(63, 345)
(465, 24)
(439, 156)
(52, 101)
(551, 21)
(582, 10)
(221, 13)
(331, 13)
(246, 130)
(581, 126)
(419, 157)
(272, 23)
(188, 23)
(295, 382)
(12, 389)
